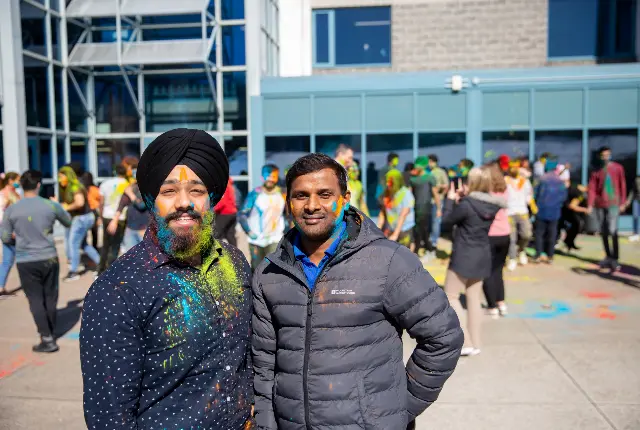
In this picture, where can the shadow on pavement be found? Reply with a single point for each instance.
(68, 317)
(626, 270)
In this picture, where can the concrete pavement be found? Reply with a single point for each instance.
(566, 357)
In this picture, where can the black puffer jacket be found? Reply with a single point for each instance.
(472, 217)
(332, 358)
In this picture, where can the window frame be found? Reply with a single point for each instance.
(331, 36)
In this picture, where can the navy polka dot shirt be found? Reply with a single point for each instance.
(166, 346)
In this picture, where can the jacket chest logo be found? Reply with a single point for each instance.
(343, 293)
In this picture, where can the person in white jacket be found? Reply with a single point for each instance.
(519, 196)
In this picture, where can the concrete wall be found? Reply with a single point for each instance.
(295, 38)
(458, 34)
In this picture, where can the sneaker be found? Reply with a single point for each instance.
(523, 259)
(493, 313)
(634, 238)
(542, 259)
(72, 276)
(503, 309)
(469, 351)
(605, 263)
(615, 266)
(46, 347)
(512, 265)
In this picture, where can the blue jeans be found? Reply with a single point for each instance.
(435, 229)
(636, 216)
(75, 240)
(8, 258)
(132, 238)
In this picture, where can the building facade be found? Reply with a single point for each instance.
(93, 81)
(457, 79)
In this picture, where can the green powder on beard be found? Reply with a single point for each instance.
(204, 240)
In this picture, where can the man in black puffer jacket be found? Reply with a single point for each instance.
(329, 309)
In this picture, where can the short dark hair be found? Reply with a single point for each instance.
(342, 148)
(121, 170)
(391, 156)
(433, 157)
(30, 179)
(603, 149)
(313, 163)
(467, 163)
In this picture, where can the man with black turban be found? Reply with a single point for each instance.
(165, 330)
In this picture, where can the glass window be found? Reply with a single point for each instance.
(243, 187)
(329, 144)
(47, 190)
(624, 150)
(36, 95)
(379, 146)
(236, 149)
(40, 154)
(515, 144)
(57, 81)
(32, 21)
(111, 153)
(62, 160)
(362, 36)
(115, 111)
(233, 9)
(233, 46)
(321, 22)
(179, 100)
(566, 145)
(77, 112)
(449, 147)
(55, 38)
(80, 152)
(283, 151)
(235, 100)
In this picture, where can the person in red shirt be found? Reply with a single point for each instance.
(607, 193)
(226, 215)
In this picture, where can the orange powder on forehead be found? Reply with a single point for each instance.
(183, 174)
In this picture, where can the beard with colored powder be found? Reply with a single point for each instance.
(184, 243)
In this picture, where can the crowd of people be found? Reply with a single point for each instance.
(183, 332)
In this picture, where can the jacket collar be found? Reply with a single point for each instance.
(488, 198)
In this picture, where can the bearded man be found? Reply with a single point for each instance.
(165, 330)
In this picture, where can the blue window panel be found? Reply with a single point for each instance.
(505, 111)
(337, 114)
(321, 37)
(233, 9)
(233, 46)
(389, 113)
(558, 109)
(287, 115)
(573, 28)
(363, 36)
(613, 107)
(442, 111)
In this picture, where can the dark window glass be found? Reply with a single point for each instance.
(515, 144)
(235, 100)
(40, 154)
(172, 33)
(32, 21)
(573, 28)
(1, 151)
(179, 100)
(236, 149)
(378, 147)
(321, 38)
(62, 160)
(55, 38)
(449, 147)
(57, 81)
(233, 9)
(111, 153)
(115, 110)
(77, 112)
(243, 187)
(363, 35)
(79, 152)
(625, 26)
(624, 150)
(233, 52)
(283, 151)
(48, 190)
(329, 144)
(36, 95)
(566, 145)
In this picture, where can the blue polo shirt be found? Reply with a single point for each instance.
(311, 271)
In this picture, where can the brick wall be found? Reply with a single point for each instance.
(461, 34)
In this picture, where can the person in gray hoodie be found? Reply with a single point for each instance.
(330, 305)
(471, 211)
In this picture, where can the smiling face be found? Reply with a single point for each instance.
(317, 204)
(183, 213)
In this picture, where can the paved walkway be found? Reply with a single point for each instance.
(567, 357)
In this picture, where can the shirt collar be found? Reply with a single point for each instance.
(157, 257)
(330, 252)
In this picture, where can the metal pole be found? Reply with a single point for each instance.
(218, 46)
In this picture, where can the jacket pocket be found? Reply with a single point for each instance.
(362, 401)
(273, 394)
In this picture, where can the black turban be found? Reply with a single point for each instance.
(193, 148)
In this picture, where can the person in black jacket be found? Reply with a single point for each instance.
(330, 305)
(470, 263)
